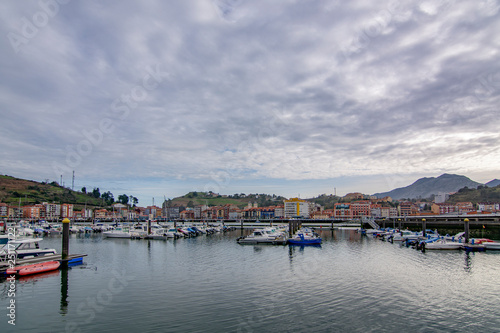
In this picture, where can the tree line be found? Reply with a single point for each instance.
(109, 198)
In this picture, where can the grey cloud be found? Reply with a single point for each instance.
(313, 84)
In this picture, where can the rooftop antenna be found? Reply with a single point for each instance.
(73, 182)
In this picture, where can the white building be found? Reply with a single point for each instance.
(441, 197)
(296, 207)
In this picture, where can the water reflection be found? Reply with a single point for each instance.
(64, 291)
(468, 262)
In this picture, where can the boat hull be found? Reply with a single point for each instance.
(492, 246)
(116, 235)
(432, 246)
(304, 242)
(35, 268)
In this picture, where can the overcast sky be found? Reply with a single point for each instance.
(159, 98)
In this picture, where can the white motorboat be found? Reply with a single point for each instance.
(406, 234)
(25, 248)
(139, 231)
(443, 244)
(492, 245)
(173, 233)
(264, 236)
(158, 233)
(119, 232)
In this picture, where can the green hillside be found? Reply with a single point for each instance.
(13, 190)
(481, 194)
(240, 200)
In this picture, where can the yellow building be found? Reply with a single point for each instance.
(296, 207)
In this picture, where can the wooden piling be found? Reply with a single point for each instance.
(65, 239)
(424, 226)
(466, 229)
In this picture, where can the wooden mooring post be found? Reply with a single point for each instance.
(65, 241)
(466, 229)
(424, 226)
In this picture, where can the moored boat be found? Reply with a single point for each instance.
(492, 245)
(117, 233)
(25, 248)
(263, 236)
(34, 268)
(442, 244)
(304, 239)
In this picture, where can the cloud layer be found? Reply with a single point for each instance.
(244, 90)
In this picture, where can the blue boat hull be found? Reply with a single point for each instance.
(304, 242)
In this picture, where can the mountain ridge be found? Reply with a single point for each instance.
(427, 186)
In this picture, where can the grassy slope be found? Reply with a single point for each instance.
(488, 194)
(32, 192)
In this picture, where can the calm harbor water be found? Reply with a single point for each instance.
(211, 284)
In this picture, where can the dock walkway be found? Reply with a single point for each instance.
(4, 265)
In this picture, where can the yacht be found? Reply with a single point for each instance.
(119, 232)
(25, 248)
(265, 236)
(443, 244)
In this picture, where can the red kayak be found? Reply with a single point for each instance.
(34, 268)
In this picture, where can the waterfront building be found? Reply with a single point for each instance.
(198, 210)
(407, 208)
(279, 212)
(376, 211)
(31, 212)
(67, 210)
(187, 214)
(465, 207)
(52, 211)
(267, 212)
(444, 208)
(15, 212)
(100, 213)
(252, 213)
(174, 212)
(4, 210)
(360, 208)
(235, 214)
(296, 207)
(488, 207)
(342, 211)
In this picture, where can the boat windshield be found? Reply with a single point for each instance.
(20, 246)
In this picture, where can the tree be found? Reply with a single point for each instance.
(123, 199)
(190, 203)
(96, 193)
(84, 189)
(108, 197)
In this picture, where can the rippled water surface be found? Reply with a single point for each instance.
(211, 284)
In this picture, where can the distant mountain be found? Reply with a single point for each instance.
(425, 187)
(493, 183)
